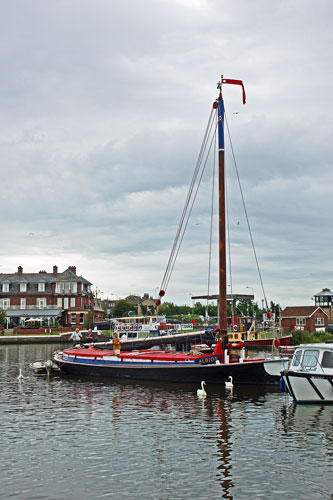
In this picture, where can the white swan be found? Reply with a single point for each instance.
(229, 385)
(201, 392)
(20, 377)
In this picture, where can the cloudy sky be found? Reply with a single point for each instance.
(103, 109)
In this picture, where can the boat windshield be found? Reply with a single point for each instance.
(297, 357)
(327, 359)
(310, 358)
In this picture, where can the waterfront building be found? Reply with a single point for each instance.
(47, 298)
(304, 318)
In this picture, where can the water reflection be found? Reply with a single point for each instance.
(79, 437)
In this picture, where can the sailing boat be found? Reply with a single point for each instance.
(182, 367)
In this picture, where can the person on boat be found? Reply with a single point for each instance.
(90, 336)
(116, 344)
(76, 336)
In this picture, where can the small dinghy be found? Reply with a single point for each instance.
(44, 367)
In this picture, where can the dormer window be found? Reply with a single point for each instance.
(5, 287)
(41, 286)
(23, 287)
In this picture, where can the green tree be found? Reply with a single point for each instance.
(89, 320)
(2, 318)
(122, 308)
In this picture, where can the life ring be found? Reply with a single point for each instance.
(235, 328)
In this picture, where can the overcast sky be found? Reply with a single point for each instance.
(103, 109)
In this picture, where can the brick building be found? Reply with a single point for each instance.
(305, 318)
(46, 297)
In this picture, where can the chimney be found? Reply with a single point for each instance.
(73, 269)
(42, 272)
(20, 270)
(55, 270)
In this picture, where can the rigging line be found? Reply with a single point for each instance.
(245, 211)
(190, 211)
(181, 229)
(194, 180)
(191, 208)
(201, 153)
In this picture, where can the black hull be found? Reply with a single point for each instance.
(248, 373)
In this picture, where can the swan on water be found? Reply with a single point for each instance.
(229, 383)
(20, 377)
(201, 392)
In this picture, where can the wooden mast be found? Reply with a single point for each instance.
(222, 218)
(222, 212)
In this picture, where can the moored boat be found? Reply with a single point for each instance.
(182, 367)
(309, 378)
(44, 367)
(170, 366)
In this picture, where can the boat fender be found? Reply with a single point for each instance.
(277, 342)
(282, 385)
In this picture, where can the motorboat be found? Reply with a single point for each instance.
(309, 378)
(44, 367)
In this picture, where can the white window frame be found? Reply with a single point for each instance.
(41, 286)
(72, 301)
(66, 287)
(319, 321)
(66, 303)
(23, 287)
(41, 303)
(81, 319)
(4, 304)
(301, 321)
(59, 302)
(5, 287)
(23, 303)
(73, 318)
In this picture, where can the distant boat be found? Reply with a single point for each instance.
(171, 366)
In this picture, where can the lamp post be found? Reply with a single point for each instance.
(253, 315)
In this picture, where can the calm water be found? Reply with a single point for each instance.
(70, 438)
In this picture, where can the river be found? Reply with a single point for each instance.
(70, 438)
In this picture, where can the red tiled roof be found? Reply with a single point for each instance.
(304, 311)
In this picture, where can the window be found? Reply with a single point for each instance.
(23, 287)
(66, 303)
(23, 303)
(72, 301)
(73, 319)
(41, 286)
(310, 358)
(59, 302)
(41, 303)
(297, 358)
(300, 321)
(4, 303)
(327, 359)
(66, 287)
(5, 287)
(81, 319)
(319, 321)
